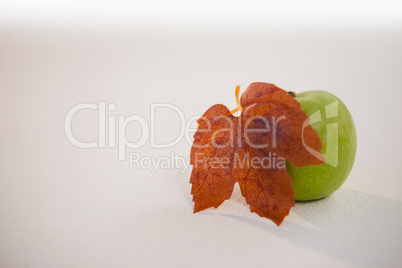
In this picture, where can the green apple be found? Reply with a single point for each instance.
(333, 122)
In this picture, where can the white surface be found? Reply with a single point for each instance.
(61, 206)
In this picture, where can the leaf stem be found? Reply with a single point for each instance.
(239, 107)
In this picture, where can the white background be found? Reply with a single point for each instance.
(61, 206)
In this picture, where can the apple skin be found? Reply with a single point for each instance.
(315, 182)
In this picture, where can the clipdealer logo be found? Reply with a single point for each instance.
(112, 134)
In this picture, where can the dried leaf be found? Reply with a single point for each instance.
(251, 149)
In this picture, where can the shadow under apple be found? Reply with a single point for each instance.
(353, 226)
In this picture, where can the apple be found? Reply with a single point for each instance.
(333, 122)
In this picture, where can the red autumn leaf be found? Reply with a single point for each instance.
(251, 149)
